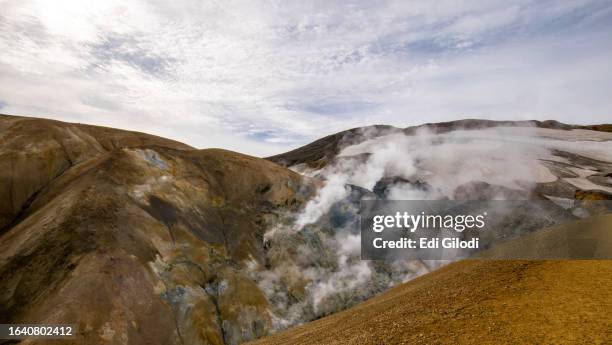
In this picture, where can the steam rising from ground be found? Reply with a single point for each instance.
(325, 273)
(442, 161)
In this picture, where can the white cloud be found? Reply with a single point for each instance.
(264, 76)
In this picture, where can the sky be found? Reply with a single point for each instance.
(263, 77)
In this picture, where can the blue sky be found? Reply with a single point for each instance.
(262, 77)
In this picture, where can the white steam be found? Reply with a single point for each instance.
(425, 166)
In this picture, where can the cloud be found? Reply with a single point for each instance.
(262, 77)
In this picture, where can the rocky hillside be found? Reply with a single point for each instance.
(142, 240)
(135, 238)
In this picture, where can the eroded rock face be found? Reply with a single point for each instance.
(135, 238)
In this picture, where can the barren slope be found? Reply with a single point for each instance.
(480, 302)
(134, 238)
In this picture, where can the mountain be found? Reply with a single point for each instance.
(319, 152)
(131, 236)
(142, 240)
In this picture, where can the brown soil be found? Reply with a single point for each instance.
(133, 238)
(478, 302)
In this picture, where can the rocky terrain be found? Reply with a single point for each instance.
(135, 238)
(139, 239)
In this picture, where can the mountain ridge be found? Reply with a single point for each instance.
(317, 153)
